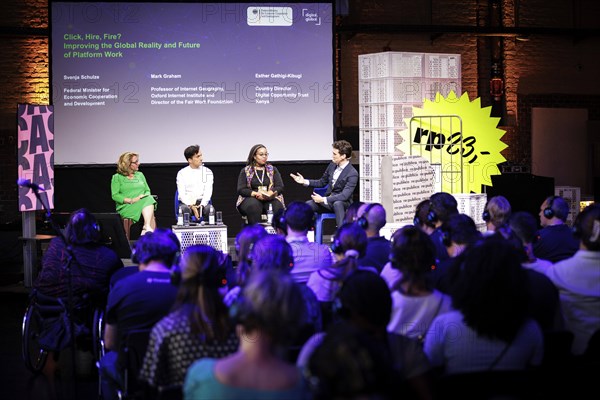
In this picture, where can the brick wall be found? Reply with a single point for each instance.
(24, 79)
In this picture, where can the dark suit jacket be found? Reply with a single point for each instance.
(344, 186)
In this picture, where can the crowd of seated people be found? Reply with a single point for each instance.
(295, 319)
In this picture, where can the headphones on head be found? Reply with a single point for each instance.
(416, 220)
(336, 246)
(486, 216)
(548, 211)
(363, 222)
(154, 244)
(446, 238)
(282, 221)
(432, 216)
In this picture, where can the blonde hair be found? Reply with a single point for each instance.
(124, 162)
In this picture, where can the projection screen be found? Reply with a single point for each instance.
(156, 77)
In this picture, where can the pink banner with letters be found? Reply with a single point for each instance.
(36, 154)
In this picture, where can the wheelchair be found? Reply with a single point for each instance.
(47, 328)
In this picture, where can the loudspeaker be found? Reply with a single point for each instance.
(525, 192)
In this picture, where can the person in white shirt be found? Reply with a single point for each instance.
(195, 184)
(578, 280)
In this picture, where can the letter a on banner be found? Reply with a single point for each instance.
(36, 154)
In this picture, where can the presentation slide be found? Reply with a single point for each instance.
(154, 78)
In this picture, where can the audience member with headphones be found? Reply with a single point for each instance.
(372, 218)
(349, 244)
(458, 234)
(298, 218)
(268, 314)
(556, 241)
(138, 301)
(199, 325)
(244, 242)
(415, 302)
(442, 206)
(496, 214)
(92, 264)
(420, 219)
(578, 280)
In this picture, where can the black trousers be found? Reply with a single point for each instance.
(253, 208)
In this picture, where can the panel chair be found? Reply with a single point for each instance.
(320, 217)
(192, 216)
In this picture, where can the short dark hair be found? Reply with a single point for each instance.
(161, 245)
(344, 147)
(272, 252)
(412, 252)
(191, 151)
(461, 229)
(299, 216)
(82, 228)
(443, 205)
(421, 214)
(524, 225)
(252, 153)
(491, 269)
(366, 294)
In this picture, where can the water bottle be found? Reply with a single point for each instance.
(180, 217)
(270, 214)
(211, 215)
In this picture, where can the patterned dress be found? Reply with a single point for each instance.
(172, 349)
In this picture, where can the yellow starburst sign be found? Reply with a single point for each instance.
(460, 140)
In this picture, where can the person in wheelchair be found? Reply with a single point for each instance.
(66, 303)
(92, 264)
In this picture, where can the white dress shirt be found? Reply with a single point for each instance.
(195, 184)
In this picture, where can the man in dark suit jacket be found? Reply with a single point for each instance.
(341, 179)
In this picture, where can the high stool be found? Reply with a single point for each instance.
(319, 225)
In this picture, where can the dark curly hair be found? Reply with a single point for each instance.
(492, 290)
(413, 253)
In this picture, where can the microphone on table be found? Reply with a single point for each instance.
(28, 184)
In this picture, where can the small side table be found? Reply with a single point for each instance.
(30, 255)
